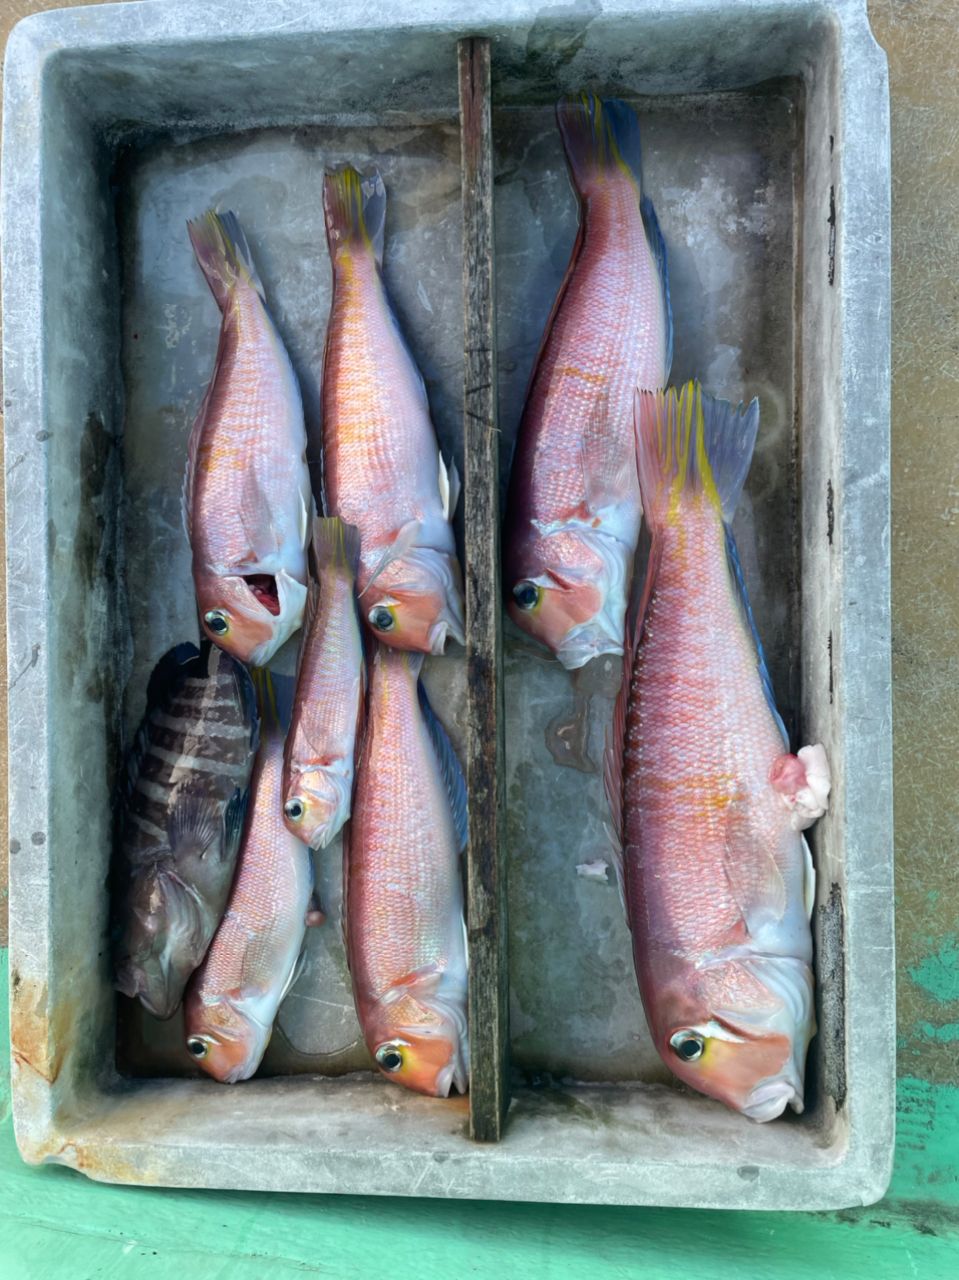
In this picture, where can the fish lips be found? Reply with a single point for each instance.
(770, 1099)
(292, 598)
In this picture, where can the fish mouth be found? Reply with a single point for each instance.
(265, 591)
(587, 641)
(770, 1099)
(454, 1075)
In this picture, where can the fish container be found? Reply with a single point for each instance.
(766, 151)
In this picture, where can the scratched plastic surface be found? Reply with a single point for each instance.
(721, 172)
(273, 181)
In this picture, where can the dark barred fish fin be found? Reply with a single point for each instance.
(354, 206)
(450, 768)
(742, 595)
(657, 245)
(194, 822)
(234, 816)
(245, 695)
(170, 672)
(223, 254)
(165, 679)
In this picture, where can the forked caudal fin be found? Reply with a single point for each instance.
(223, 254)
(355, 209)
(688, 442)
(274, 695)
(600, 135)
(335, 545)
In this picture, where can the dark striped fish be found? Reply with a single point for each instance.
(182, 810)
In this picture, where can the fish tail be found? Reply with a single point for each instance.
(224, 256)
(274, 696)
(687, 442)
(335, 544)
(600, 135)
(355, 208)
(405, 659)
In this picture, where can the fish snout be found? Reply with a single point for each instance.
(591, 640)
(771, 1098)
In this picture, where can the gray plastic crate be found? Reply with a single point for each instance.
(766, 135)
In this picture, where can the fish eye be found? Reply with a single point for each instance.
(389, 1057)
(382, 618)
(218, 621)
(197, 1047)
(294, 809)
(526, 595)
(687, 1045)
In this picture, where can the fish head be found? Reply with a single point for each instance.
(223, 1037)
(163, 941)
(421, 1043)
(567, 589)
(416, 602)
(316, 803)
(739, 1030)
(250, 616)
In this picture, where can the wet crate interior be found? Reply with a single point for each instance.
(724, 175)
(738, 155)
(724, 171)
(272, 178)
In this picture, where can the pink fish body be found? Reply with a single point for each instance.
(573, 513)
(327, 711)
(233, 999)
(247, 497)
(718, 881)
(406, 941)
(383, 471)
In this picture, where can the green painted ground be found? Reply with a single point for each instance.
(56, 1225)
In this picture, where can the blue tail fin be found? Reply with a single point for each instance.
(598, 135)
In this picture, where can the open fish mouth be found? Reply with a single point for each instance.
(265, 591)
(588, 641)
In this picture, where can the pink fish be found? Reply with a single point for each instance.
(331, 682)
(383, 471)
(573, 512)
(246, 497)
(708, 802)
(233, 998)
(405, 935)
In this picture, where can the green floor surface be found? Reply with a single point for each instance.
(57, 1225)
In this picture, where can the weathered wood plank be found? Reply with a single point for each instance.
(486, 869)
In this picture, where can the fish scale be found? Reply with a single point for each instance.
(404, 895)
(379, 429)
(247, 497)
(236, 992)
(186, 784)
(573, 510)
(331, 680)
(707, 803)
(681, 776)
(382, 469)
(252, 439)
